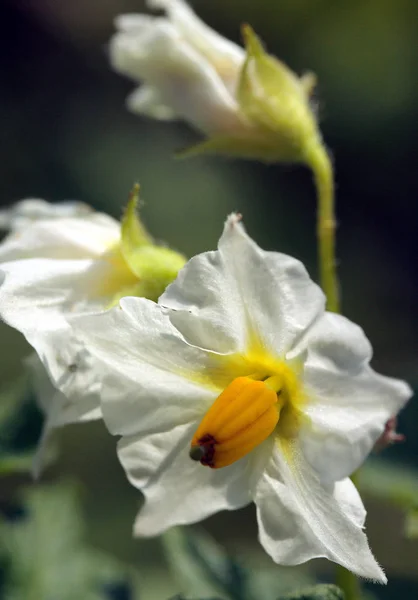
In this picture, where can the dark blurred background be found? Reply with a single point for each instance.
(67, 135)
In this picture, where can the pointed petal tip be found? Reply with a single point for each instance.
(233, 226)
(233, 219)
(371, 571)
(378, 576)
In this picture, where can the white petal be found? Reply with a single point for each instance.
(146, 100)
(62, 238)
(23, 213)
(33, 299)
(81, 383)
(153, 380)
(38, 290)
(71, 369)
(35, 287)
(186, 81)
(300, 519)
(349, 403)
(224, 55)
(223, 298)
(177, 489)
(43, 386)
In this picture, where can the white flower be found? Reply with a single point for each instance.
(189, 70)
(246, 103)
(72, 265)
(240, 367)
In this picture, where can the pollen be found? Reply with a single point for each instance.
(242, 417)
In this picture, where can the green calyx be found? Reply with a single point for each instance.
(278, 123)
(154, 267)
(276, 101)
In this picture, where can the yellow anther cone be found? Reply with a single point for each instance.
(242, 417)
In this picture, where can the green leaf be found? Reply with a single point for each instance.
(44, 553)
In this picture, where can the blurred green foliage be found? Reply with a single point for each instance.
(42, 550)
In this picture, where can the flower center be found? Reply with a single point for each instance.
(242, 417)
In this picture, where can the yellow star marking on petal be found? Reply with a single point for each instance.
(259, 395)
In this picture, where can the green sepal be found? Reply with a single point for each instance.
(278, 124)
(276, 101)
(156, 267)
(253, 147)
(133, 232)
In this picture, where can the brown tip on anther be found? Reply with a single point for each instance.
(197, 453)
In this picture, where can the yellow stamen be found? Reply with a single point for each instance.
(242, 417)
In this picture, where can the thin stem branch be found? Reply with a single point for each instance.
(321, 166)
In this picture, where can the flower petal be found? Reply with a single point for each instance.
(79, 379)
(349, 402)
(62, 238)
(300, 519)
(36, 292)
(153, 379)
(22, 214)
(177, 489)
(222, 299)
(146, 100)
(224, 55)
(187, 83)
(33, 299)
(59, 409)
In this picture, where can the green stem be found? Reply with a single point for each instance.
(349, 584)
(321, 166)
(320, 163)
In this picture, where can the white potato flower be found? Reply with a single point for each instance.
(237, 387)
(246, 102)
(55, 265)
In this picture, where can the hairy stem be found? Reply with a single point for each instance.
(321, 166)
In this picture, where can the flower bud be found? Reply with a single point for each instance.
(247, 103)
